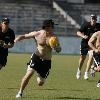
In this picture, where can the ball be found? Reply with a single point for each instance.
(53, 41)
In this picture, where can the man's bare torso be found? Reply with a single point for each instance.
(43, 48)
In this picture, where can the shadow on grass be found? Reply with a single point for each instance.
(9, 88)
(54, 89)
(47, 89)
(75, 98)
(91, 80)
(60, 98)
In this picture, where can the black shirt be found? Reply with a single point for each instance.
(7, 37)
(88, 30)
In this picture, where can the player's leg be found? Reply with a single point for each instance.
(96, 58)
(92, 71)
(97, 61)
(89, 63)
(3, 60)
(40, 80)
(94, 65)
(83, 53)
(98, 83)
(43, 71)
(81, 61)
(25, 81)
(97, 69)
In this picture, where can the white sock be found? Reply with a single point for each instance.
(79, 70)
(86, 72)
(20, 92)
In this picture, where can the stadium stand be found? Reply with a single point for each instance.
(87, 10)
(27, 15)
(78, 11)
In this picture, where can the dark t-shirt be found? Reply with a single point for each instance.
(7, 37)
(88, 30)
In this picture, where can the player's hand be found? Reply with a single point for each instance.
(85, 37)
(2, 43)
(5, 45)
(15, 40)
(57, 48)
(9, 45)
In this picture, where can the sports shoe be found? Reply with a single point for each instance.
(78, 75)
(98, 84)
(19, 95)
(86, 75)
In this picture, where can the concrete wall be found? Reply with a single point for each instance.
(70, 45)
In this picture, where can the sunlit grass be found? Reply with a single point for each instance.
(61, 84)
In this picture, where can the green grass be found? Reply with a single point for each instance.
(61, 84)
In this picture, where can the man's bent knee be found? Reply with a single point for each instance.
(97, 69)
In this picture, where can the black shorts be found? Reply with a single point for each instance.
(96, 58)
(3, 59)
(41, 66)
(84, 48)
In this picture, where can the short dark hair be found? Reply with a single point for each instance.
(48, 23)
(6, 20)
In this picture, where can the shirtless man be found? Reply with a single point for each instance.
(41, 59)
(94, 43)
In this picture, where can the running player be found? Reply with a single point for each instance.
(41, 59)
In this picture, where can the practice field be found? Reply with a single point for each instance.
(60, 85)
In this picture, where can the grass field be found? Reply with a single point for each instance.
(60, 85)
